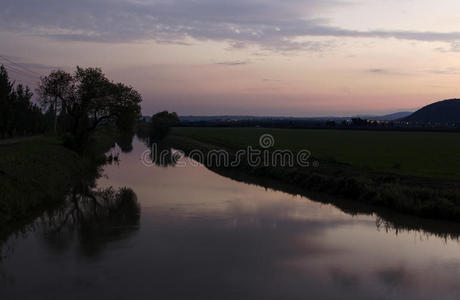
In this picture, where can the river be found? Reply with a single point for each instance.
(201, 235)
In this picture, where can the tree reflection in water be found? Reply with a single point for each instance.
(88, 218)
(125, 142)
(92, 219)
(161, 154)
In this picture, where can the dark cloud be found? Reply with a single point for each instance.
(270, 24)
(232, 63)
(270, 80)
(379, 71)
(447, 71)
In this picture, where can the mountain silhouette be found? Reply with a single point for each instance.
(446, 111)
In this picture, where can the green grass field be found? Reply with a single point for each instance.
(425, 154)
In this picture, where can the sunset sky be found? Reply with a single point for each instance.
(264, 57)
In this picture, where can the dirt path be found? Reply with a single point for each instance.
(18, 140)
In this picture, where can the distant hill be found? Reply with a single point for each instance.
(389, 117)
(447, 111)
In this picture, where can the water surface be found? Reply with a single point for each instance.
(204, 236)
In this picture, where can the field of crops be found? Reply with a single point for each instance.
(427, 154)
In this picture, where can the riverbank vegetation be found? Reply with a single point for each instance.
(90, 114)
(357, 165)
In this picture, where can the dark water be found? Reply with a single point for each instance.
(204, 236)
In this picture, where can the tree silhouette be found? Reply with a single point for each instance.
(161, 124)
(87, 100)
(18, 115)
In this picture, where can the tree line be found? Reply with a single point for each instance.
(72, 105)
(18, 115)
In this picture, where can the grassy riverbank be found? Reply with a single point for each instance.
(385, 177)
(35, 174)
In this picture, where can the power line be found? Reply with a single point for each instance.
(13, 68)
(15, 72)
(20, 65)
(22, 76)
